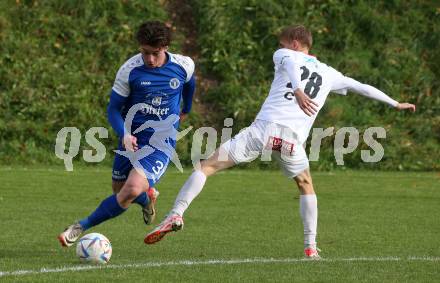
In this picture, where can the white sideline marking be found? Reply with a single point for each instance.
(206, 262)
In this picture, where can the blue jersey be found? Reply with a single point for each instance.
(160, 89)
(157, 92)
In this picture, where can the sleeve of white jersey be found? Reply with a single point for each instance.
(286, 62)
(186, 63)
(121, 85)
(189, 68)
(341, 84)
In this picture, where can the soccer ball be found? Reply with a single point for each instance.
(94, 248)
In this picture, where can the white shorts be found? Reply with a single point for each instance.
(267, 139)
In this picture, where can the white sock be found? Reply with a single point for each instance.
(308, 206)
(192, 188)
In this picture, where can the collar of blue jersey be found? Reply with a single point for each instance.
(166, 63)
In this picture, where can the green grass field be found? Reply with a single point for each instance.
(244, 227)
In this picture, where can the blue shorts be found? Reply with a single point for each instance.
(153, 165)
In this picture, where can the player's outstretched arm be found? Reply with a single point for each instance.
(372, 92)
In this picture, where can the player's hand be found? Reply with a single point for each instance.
(183, 117)
(130, 142)
(405, 106)
(305, 103)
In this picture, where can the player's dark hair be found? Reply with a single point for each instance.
(154, 33)
(297, 32)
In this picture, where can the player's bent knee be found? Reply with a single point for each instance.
(212, 165)
(304, 182)
(211, 169)
(129, 192)
(208, 170)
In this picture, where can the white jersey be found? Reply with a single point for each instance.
(299, 70)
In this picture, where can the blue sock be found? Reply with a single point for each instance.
(142, 199)
(108, 208)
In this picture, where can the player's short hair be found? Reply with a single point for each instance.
(297, 32)
(153, 33)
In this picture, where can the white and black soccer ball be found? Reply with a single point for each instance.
(94, 248)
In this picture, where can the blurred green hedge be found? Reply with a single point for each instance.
(58, 63)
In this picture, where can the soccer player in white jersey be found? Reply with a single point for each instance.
(300, 87)
(153, 83)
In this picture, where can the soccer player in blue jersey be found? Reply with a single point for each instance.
(147, 94)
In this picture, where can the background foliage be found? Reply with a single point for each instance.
(58, 63)
(59, 58)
